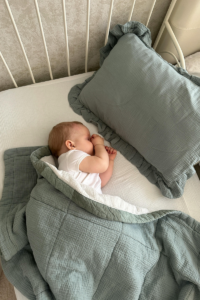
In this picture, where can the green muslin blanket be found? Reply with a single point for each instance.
(61, 240)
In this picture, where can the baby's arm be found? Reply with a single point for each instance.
(105, 177)
(100, 161)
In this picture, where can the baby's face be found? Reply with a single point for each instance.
(82, 140)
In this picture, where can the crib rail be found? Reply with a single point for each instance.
(66, 36)
(172, 35)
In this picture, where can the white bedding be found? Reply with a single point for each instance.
(192, 63)
(27, 115)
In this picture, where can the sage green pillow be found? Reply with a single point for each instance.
(145, 107)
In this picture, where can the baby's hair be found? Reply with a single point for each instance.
(58, 135)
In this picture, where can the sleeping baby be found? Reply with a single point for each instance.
(84, 157)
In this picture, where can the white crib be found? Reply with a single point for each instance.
(22, 107)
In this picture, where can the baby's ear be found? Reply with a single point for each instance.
(70, 144)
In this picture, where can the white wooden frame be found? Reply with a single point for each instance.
(165, 24)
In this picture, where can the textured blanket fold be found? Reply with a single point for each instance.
(59, 244)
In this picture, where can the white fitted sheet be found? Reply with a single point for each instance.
(192, 63)
(27, 115)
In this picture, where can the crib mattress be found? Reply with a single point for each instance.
(27, 115)
(192, 63)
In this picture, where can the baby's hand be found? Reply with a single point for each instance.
(96, 139)
(111, 152)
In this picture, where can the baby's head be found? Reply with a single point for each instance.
(68, 136)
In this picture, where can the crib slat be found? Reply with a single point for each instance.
(176, 44)
(87, 35)
(66, 37)
(45, 46)
(131, 10)
(8, 70)
(20, 41)
(167, 16)
(108, 27)
(150, 13)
